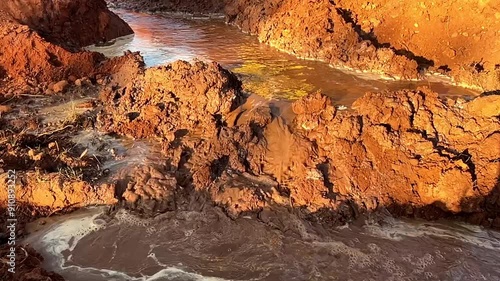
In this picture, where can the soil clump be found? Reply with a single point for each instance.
(71, 24)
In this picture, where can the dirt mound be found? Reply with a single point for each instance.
(408, 148)
(28, 266)
(30, 58)
(192, 7)
(403, 150)
(168, 101)
(68, 23)
(431, 31)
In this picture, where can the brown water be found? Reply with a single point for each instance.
(264, 70)
(207, 245)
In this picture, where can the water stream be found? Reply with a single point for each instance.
(207, 245)
(264, 70)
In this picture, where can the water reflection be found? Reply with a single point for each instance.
(264, 70)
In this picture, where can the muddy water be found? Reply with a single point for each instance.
(207, 245)
(263, 70)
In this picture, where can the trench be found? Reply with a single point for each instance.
(205, 244)
(264, 70)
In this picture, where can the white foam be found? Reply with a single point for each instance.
(66, 235)
(398, 229)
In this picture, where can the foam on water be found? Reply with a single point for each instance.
(58, 242)
(399, 229)
(190, 245)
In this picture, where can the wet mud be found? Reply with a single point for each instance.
(29, 266)
(405, 150)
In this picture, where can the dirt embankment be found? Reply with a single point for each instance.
(176, 6)
(68, 23)
(317, 30)
(52, 174)
(30, 60)
(402, 39)
(399, 38)
(408, 151)
(460, 38)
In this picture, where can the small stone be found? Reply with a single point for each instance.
(5, 109)
(52, 145)
(78, 82)
(51, 86)
(130, 196)
(72, 78)
(60, 86)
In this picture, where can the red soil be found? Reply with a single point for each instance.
(76, 23)
(31, 59)
(408, 149)
(398, 38)
(459, 36)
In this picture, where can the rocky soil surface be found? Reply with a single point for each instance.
(36, 73)
(403, 150)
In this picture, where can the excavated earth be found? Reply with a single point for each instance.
(410, 152)
(403, 150)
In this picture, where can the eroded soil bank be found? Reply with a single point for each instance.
(398, 39)
(410, 152)
(405, 150)
(68, 23)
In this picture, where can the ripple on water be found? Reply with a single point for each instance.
(264, 70)
(209, 246)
